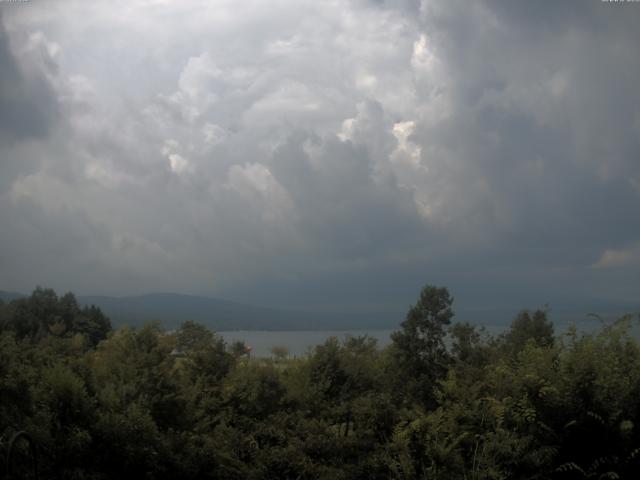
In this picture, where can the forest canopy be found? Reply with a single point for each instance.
(444, 400)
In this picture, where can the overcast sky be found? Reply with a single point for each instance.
(335, 154)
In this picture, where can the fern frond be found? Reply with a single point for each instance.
(571, 467)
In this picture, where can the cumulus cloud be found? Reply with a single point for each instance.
(359, 147)
(26, 100)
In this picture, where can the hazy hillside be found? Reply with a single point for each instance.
(172, 309)
(8, 296)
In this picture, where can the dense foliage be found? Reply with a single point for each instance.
(443, 401)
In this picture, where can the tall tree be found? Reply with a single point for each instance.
(419, 346)
(529, 327)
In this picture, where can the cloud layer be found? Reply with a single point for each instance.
(321, 153)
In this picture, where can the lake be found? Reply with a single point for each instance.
(297, 341)
(300, 341)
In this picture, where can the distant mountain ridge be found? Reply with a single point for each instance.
(8, 296)
(171, 309)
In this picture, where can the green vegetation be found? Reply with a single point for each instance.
(443, 401)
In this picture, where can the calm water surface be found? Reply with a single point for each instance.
(299, 342)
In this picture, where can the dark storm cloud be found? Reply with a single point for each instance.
(27, 103)
(546, 111)
(28, 110)
(344, 211)
(310, 152)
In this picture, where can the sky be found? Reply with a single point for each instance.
(322, 154)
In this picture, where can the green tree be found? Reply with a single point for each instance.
(280, 353)
(44, 314)
(529, 327)
(469, 344)
(419, 346)
(193, 336)
(239, 349)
